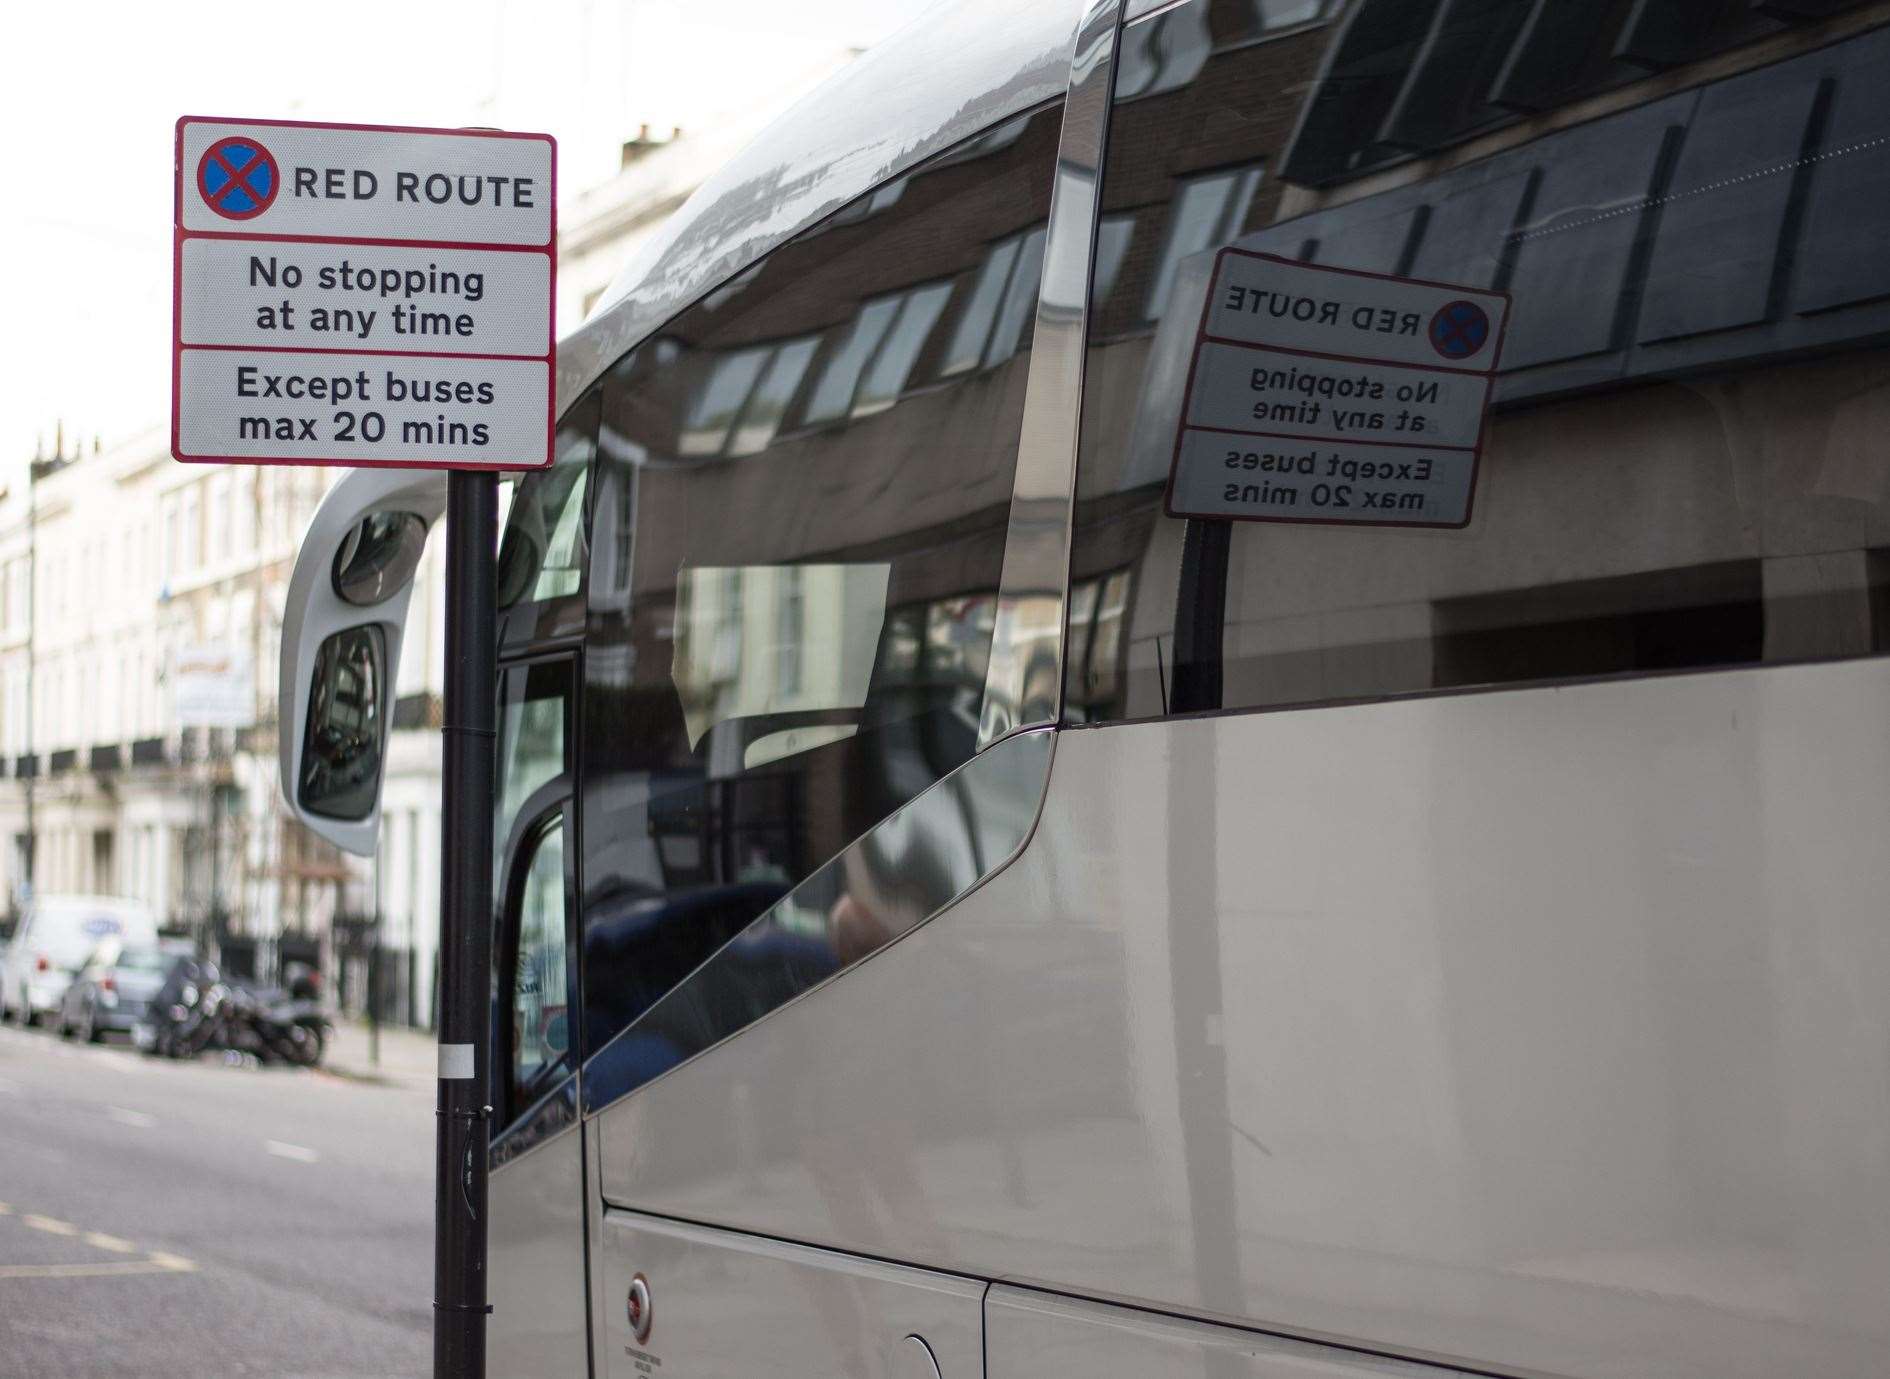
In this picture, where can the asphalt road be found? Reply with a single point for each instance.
(159, 1218)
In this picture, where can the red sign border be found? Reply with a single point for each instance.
(179, 234)
(1201, 337)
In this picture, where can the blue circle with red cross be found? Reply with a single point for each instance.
(1459, 329)
(238, 178)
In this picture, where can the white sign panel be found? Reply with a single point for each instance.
(1329, 395)
(240, 292)
(1242, 389)
(213, 686)
(361, 409)
(1259, 299)
(363, 295)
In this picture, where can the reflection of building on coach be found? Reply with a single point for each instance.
(1653, 218)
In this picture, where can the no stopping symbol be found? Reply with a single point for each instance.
(238, 178)
(1459, 329)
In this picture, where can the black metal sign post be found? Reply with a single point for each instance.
(459, 1208)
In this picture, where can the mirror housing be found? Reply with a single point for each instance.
(348, 578)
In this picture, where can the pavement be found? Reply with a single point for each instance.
(404, 1057)
(164, 1218)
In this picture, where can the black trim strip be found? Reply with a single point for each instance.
(550, 1116)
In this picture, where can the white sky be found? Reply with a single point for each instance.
(93, 90)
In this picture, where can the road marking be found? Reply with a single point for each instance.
(291, 1151)
(169, 1264)
(153, 1261)
(125, 1116)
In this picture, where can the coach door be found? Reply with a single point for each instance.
(537, 1227)
(797, 598)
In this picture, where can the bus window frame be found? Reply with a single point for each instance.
(522, 1126)
(529, 624)
(548, 809)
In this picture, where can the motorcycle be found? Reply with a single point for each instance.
(186, 1016)
(277, 1025)
(197, 1010)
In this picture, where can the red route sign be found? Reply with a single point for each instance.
(355, 294)
(1335, 397)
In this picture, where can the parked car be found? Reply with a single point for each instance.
(55, 937)
(113, 989)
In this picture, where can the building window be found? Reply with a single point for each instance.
(1113, 236)
(767, 405)
(190, 530)
(885, 378)
(1162, 54)
(1265, 17)
(1204, 211)
(1001, 305)
(172, 542)
(706, 429)
(104, 861)
(833, 393)
(217, 501)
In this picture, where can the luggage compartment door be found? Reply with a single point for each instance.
(689, 1300)
(1043, 1336)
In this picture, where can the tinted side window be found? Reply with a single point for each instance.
(543, 552)
(802, 491)
(1681, 465)
(531, 748)
(537, 1032)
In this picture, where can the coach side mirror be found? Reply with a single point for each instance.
(343, 746)
(343, 624)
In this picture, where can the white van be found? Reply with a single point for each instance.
(55, 936)
(1203, 689)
